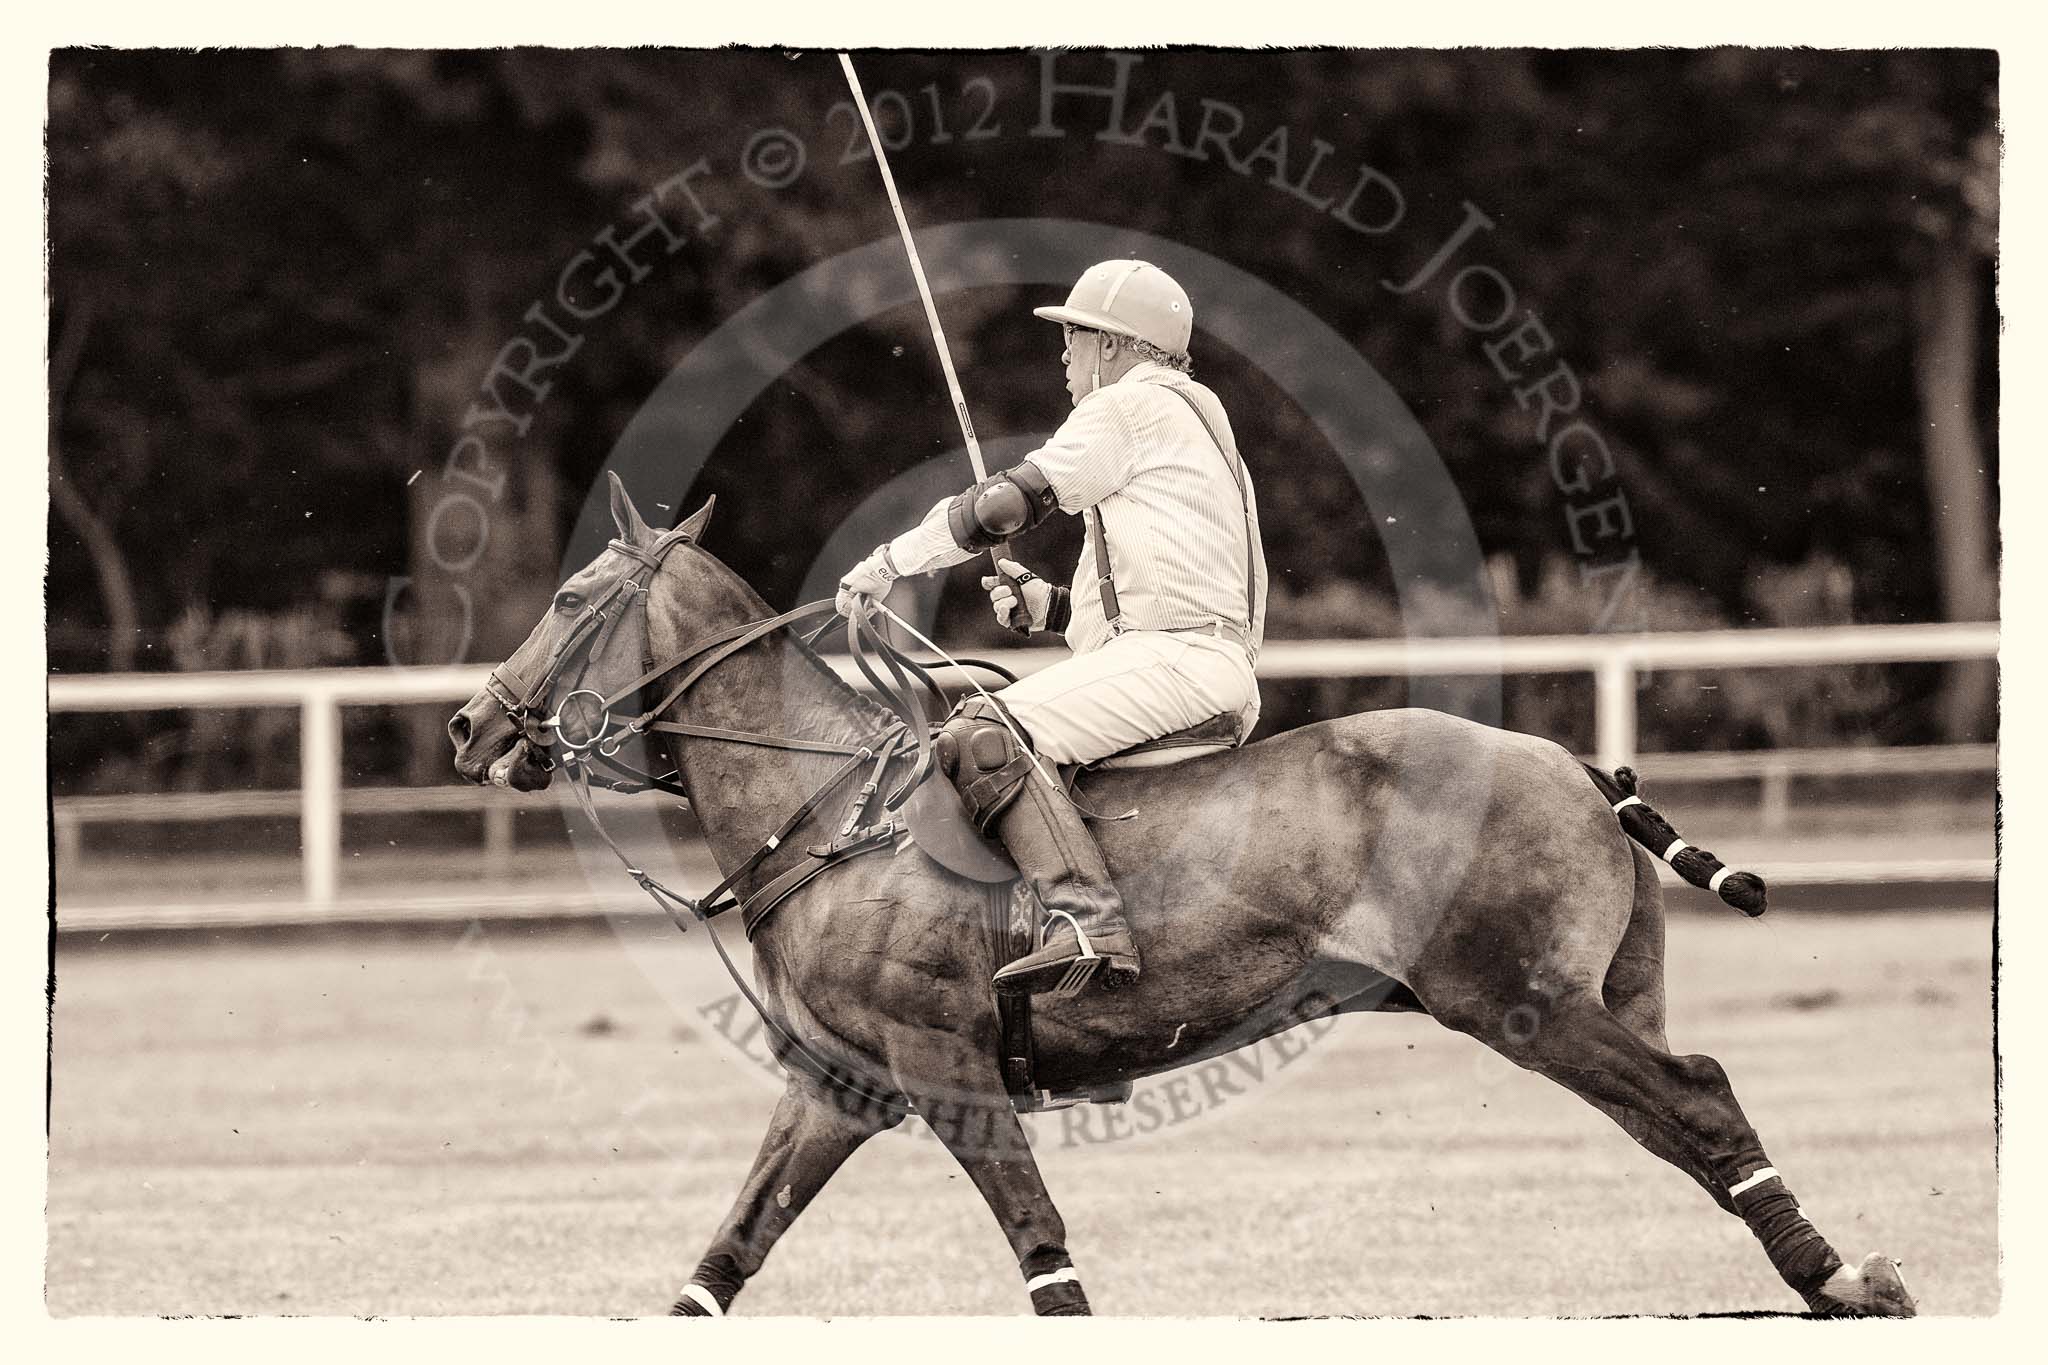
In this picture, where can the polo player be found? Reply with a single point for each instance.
(1164, 616)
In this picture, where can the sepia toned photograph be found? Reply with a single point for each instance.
(1161, 682)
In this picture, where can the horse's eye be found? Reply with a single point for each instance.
(568, 601)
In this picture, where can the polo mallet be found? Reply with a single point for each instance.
(1020, 616)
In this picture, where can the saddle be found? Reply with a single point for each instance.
(1211, 736)
(938, 822)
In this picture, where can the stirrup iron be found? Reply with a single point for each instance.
(1082, 969)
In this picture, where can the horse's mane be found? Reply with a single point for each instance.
(859, 703)
(859, 708)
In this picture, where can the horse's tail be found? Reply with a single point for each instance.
(1642, 823)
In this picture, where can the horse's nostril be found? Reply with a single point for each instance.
(458, 730)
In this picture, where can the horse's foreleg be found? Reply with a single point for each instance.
(810, 1136)
(978, 1126)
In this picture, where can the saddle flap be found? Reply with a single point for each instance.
(939, 825)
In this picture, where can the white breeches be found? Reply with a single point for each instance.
(1138, 686)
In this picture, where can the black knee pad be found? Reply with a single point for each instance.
(986, 763)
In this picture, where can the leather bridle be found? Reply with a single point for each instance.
(525, 703)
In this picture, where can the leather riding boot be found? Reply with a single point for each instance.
(1086, 937)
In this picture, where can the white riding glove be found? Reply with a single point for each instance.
(869, 578)
(1037, 593)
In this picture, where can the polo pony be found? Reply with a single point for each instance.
(1395, 860)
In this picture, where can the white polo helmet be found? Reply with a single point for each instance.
(1129, 299)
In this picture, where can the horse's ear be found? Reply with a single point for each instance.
(693, 526)
(632, 529)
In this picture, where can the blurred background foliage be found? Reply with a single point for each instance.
(278, 279)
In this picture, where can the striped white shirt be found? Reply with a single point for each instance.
(1170, 507)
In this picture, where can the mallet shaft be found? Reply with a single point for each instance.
(1001, 551)
(924, 289)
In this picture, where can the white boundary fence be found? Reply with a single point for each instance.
(1616, 663)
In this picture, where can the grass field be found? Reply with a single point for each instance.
(531, 1120)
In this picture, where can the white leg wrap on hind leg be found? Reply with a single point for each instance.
(1767, 1173)
(1066, 1274)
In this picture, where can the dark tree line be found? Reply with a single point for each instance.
(279, 279)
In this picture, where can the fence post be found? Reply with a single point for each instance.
(70, 842)
(320, 794)
(1777, 796)
(497, 832)
(1614, 709)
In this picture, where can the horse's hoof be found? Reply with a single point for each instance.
(1872, 1290)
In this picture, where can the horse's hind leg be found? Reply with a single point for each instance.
(1574, 1040)
(1634, 995)
(809, 1138)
